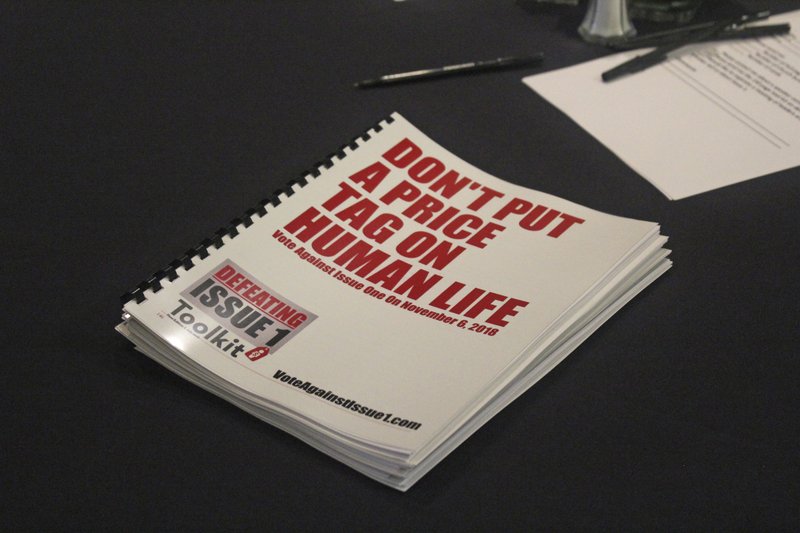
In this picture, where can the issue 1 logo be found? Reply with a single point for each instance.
(248, 308)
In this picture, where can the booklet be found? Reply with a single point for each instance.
(391, 301)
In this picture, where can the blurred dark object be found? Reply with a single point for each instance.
(558, 2)
(680, 11)
(648, 16)
(674, 11)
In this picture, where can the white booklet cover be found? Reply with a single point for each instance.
(391, 301)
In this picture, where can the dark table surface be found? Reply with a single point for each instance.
(131, 130)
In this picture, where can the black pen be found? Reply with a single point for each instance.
(766, 30)
(681, 32)
(645, 61)
(452, 70)
(747, 32)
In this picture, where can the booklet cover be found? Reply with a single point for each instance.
(391, 301)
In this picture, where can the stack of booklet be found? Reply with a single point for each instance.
(390, 302)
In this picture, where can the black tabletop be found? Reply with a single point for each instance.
(132, 130)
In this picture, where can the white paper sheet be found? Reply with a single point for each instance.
(714, 114)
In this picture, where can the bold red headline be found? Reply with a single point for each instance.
(343, 229)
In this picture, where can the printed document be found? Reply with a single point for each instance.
(712, 115)
(389, 302)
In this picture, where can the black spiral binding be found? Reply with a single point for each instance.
(153, 283)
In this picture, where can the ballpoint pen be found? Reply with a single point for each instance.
(685, 30)
(451, 70)
(658, 55)
(765, 30)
